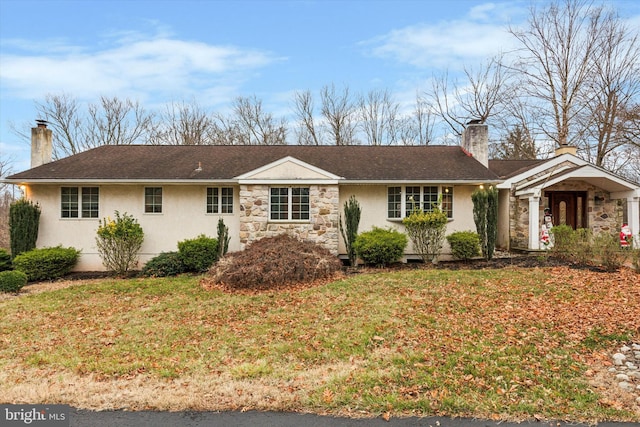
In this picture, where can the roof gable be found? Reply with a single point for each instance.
(288, 168)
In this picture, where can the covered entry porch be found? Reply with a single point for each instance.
(580, 197)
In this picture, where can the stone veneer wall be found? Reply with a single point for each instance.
(321, 229)
(602, 216)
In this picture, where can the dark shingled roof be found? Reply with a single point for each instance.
(507, 168)
(178, 162)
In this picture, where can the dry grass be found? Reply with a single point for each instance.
(509, 344)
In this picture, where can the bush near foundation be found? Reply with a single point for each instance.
(163, 265)
(464, 244)
(46, 263)
(5, 260)
(274, 262)
(12, 281)
(380, 246)
(198, 254)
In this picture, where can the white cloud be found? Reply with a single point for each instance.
(135, 65)
(478, 36)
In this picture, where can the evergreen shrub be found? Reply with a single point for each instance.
(163, 265)
(380, 246)
(198, 254)
(46, 263)
(12, 281)
(5, 260)
(24, 221)
(464, 244)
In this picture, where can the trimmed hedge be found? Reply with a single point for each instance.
(46, 263)
(380, 246)
(163, 265)
(464, 244)
(198, 254)
(12, 281)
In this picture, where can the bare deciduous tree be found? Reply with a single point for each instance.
(556, 61)
(115, 121)
(613, 88)
(481, 95)
(378, 116)
(308, 131)
(183, 124)
(256, 126)
(338, 111)
(64, 117)
(417, 127)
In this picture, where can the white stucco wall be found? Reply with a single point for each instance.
(373, 202)
(184, 217)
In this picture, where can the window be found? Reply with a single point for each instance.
(289, 203)
(220, 200)
(90, 198)
(79, 202)
(405, 199)
(153, 200)
(394, 204)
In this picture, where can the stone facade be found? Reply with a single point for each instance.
(322, 228)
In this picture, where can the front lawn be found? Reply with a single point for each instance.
(512, 343)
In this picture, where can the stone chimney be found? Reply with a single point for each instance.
(566, 149)
(475, 140)
(41, 144)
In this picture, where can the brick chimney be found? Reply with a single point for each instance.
(41, 144)
(475, 140)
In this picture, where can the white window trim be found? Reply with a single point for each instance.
(403, 199)
(290, 205)
(206, 200)
(79, 209)
(144, 200)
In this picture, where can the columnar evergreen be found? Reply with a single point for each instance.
(485, 216)
(349, 230)
(24, 220)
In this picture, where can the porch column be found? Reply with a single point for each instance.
(534, 222)
(633, 213)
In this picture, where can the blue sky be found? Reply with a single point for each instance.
(213, 51)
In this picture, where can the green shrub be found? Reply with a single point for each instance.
(464, 244)
(5, 260)
(426, 231)
(485, 216)
(380, 246)
(12, 281)
(608, 251)
(563, 241)
(198, 254)
(46, 263)
(119, 241)
(163, 265)
(581, 250)
(24, 220)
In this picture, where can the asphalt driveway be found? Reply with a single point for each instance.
(81, 418)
